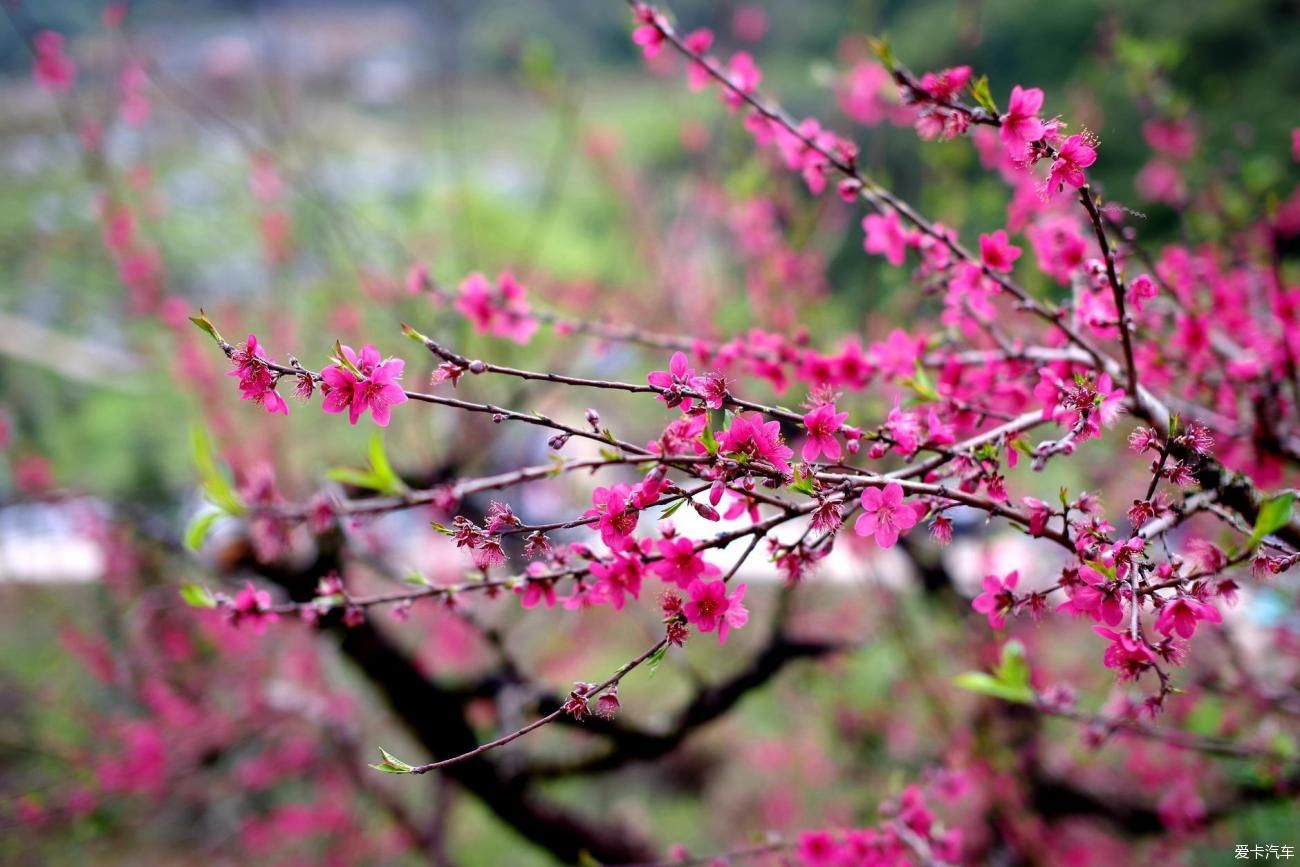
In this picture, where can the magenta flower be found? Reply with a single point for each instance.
(53, 70)
(615, 517)
(535, 590)
(679, 377)
(997, 600)
(710, 607)
(819, 849)
(823, 424)
(751, 438)
(697, 74)
(619, 577)
(256, 380)
(254, 606)
(1127, 655)
(1072, 158)
(376, 389)
(886, 237)
(649, 34)
(501, 311)
(745, 75)
(1020, 125)
(1182, 615)
(997, 252)
(681, 563)
(884, 514)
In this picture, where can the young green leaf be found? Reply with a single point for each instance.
(215, 485)
(197, 532)
(1009, 681)
(391, 764)
(389, 480)
(1273, 516)
(205, 325)
(979, 89)
(198, 596)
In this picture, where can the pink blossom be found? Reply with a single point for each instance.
(943, 86)
(711, 607)
(897, 355)
(997, 600)
(751, 438)
(54, 71)
(997, 252)
(500, 311)
(535, 590)
(885, 236)
(679, 377)
(1074, 155)
(1091, 595)
(376, 389)
(649, 34)
(256, 380)
(1175, 139)
(1127, 655)
(744, 75)
(1039, 514)
(1141, 289)
(699, 42)
(823, 423)
(681, 563)
(1021, 125)
(819, 849)
(254, 606)
(1161, 181)
(885, 515)
(617, 577)
(749, 22)
(1183, 613)
(616, 518)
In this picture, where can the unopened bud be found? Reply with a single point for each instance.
(706, 511)
(593, 419)
(477, 366)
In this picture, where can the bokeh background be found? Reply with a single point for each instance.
(294, 160)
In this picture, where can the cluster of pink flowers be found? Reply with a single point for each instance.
(361, 383)
(54, 70)
(256, 380)
(501, 310)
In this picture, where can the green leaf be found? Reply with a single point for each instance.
(1013, 669)
(198, 596)
(408, 331)
(392, 483)
(1273, 516)
(986, 684)
(379, 476)
(215, 485)
(391, 764)
(1009, 681)
(416, 579)
(354, 477)
(672, 510)
(205, 325)
(653, 662)
(885, 54)
(979, 89)
(803, 483)
(921, 383)
(444, 530)
(197, 532)
(709, 440)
